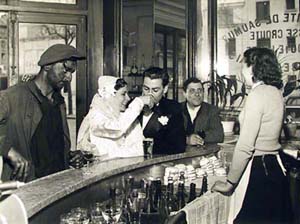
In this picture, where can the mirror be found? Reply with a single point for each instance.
(154, 34)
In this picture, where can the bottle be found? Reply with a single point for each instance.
(134, 208)
(171, 200)
(181, 178)
(134, 68)
(142, 68)
(112, 196)
(181, 196)
(149, 208)
(192, 195)
(125, 210)
(157, 193)
(152, 61)
(163, 209)
(204, 185)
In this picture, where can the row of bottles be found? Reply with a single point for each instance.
(150, 202)
(134, 70)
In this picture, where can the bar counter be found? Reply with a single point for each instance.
(40, 195)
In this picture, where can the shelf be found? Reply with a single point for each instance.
(292, 106)
(134, 75)
(134, 92)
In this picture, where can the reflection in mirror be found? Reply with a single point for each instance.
(4, 81)
(154, 34)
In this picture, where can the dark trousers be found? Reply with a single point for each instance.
(267, 196)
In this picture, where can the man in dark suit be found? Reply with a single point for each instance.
(164, 122)
(202, 122)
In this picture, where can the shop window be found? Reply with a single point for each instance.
(231, 48)
(262, 10)
(264, 42)
(290, 4)
(291, 42)
(3, 50)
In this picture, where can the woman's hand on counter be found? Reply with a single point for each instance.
(225, 188)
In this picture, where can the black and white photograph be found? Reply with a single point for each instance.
(149, 112)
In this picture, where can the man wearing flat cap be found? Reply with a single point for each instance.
(34, 134)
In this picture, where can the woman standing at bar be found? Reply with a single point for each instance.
(257, 175)
(111, 129)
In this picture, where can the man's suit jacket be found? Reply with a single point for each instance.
(166, 128)
(207, 120)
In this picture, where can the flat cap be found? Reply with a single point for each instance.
(59, 52)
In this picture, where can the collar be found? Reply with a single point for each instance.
(57, 97)
(195, 109)
(257, 84)
(35, 91)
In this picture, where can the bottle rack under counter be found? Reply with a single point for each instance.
(46, 199)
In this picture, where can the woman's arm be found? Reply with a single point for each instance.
(245, 146)
(103, 126)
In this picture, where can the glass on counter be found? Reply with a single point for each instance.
(148, 148)
(96, 214)
(77, 215)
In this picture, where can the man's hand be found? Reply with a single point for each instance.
(76, 159)
(194, 139)
(20, 165)
(225, 188)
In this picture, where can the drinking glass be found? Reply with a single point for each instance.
(79, 215)
(225, 160)
(111, 215)
(96, 214)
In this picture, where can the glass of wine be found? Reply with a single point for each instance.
(96, 214)
(111, 215)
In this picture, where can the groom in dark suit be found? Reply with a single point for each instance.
(163, 124)
(202, 122)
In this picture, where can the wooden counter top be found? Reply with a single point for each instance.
(42, 192)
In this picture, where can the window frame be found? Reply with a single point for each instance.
(231, 44)
(265, 14)
(291, 42)
(261, 40)
(80, 5)
(290, 2)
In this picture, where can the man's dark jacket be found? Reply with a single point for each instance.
(169, 137)
(207, 120)
(20, 115)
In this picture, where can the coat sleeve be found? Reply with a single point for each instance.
(244, 148)
(4, 115)
(103, 126)
(215, 133)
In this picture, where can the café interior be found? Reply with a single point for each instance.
(187, 38)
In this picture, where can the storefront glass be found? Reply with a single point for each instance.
(154, 34)
(3, 50)
(245, 23)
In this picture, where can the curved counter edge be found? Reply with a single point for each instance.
(40, 193)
